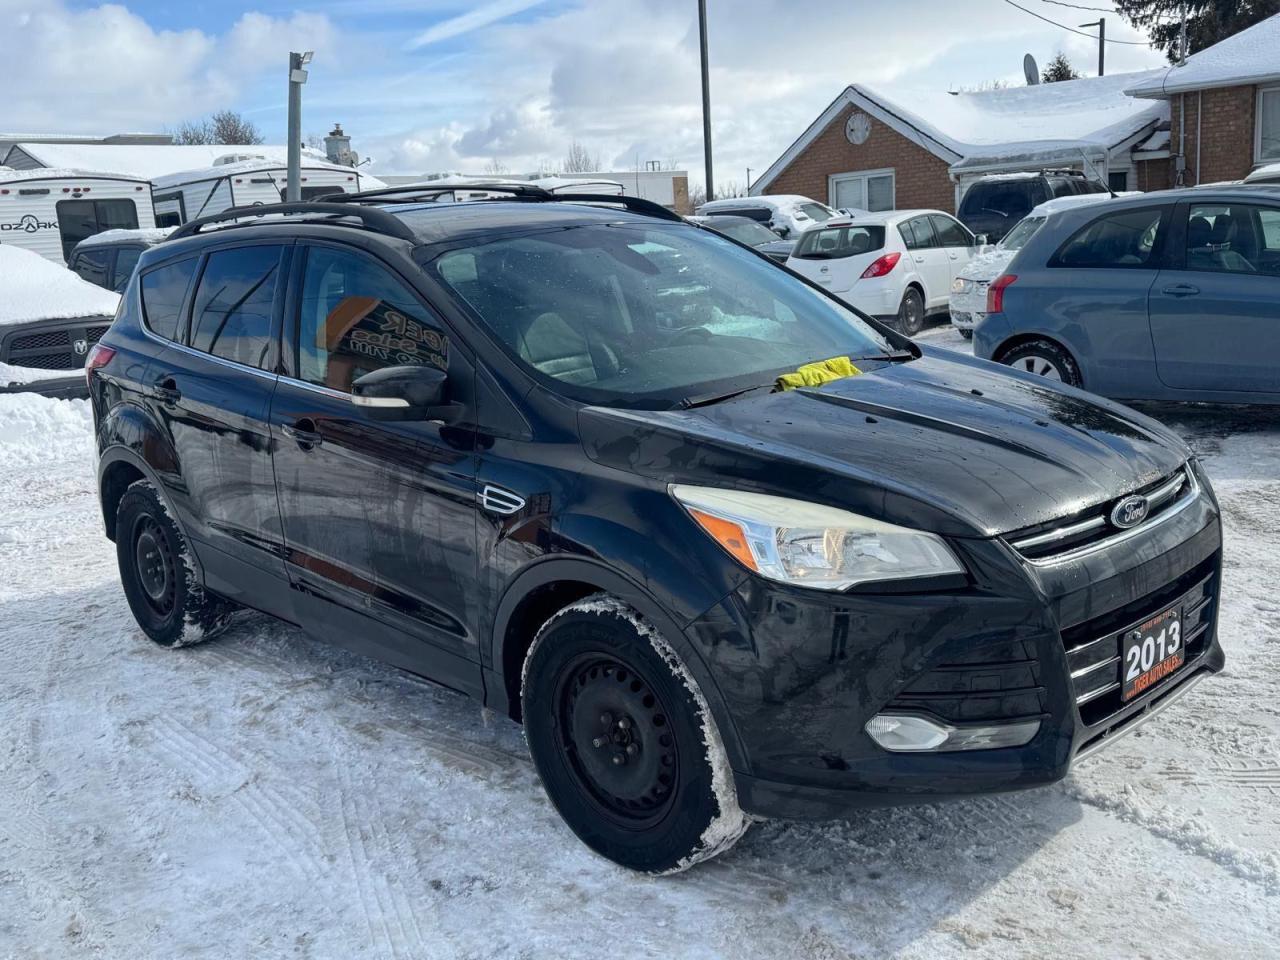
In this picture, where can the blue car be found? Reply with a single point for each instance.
(1163, 296)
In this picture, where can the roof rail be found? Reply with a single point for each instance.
(520, 191)
(371, 218)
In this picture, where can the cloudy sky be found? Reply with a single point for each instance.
(431, 85)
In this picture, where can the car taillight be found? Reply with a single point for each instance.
(882, 266)
(99, 356)
(995, 292)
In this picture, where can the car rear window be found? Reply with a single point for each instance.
(163, 292)
(834, 243)
(1011, 198)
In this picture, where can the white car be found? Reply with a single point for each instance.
(787, 215)
(969, 289)
(896, 266)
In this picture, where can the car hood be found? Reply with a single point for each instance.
(987, 266)
(944, 443)
(777, 247)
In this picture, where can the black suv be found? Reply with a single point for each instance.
(569, 456)
(993, 205)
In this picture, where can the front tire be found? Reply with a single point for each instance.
(1044, 358)
(158, 574)
(624, 742)
(911, 312)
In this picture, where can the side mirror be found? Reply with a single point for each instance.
(405, 393)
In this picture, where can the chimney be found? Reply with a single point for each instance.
(337, 147)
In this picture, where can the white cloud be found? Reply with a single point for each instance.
(465, 23)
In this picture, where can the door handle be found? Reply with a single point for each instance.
(955, 256)
(919, 259)
(165, 389)
(303, 433)
(1181, 290)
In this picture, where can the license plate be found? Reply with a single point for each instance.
(1151, 652)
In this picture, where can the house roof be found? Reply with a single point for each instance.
(1248, 57)
(1046, 123)
(145, 161)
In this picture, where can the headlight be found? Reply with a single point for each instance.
(811, 545)
(961, 285)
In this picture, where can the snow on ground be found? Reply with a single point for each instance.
(267, 796)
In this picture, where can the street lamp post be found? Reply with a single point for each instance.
(706, 99)
(297, 77)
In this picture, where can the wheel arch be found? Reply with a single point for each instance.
(1013, 342)
(548, 586)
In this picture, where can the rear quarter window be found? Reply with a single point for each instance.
(1125, 240)
(163, 292)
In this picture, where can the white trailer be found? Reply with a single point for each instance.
(238, 180)
(49, 211)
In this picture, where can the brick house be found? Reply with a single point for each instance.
(1224, 107)
(1214, 118)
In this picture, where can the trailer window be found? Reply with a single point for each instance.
(79, 219)
(313, 193)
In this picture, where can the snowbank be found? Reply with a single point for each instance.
(33, 288)
(33, 425)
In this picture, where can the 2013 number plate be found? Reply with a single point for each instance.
(1151, 652)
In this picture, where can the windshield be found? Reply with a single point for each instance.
(834, 243)
(648, 315)
(745, 231)
(1019, 235)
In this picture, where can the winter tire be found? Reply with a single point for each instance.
(911, 312)
(624, 741)
(1044, 358)
(156, 569)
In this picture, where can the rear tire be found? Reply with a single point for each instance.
(624, 741)
(158, 573)
(911, 312)
(1044, 358)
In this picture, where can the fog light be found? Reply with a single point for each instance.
(903, 733)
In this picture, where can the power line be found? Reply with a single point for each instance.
(1077, 6)
(1063, 26)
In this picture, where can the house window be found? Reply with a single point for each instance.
(863, 190)
(1118, 180)
(1268, 146)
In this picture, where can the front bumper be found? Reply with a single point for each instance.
(60, 388)
(801, 673)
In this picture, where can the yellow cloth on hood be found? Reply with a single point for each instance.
(816, 374)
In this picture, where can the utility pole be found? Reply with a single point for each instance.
(297, 77)
(1101, 24)
(706, 98)
(748, 181)
(1182, 38)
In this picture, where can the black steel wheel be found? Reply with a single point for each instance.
(911, 312)
(157, 573)
(624, 741)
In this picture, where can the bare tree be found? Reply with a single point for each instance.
(225, 126)
(496, 168)
(314, 141)
(580, 160)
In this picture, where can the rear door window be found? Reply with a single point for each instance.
(91, 264)
(917, 234)
(834, 243)
(234, 306)
(164, 290)
(1233, 238)
(1129, 239)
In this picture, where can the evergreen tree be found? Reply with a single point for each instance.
(1059, 68)
(1208, 21)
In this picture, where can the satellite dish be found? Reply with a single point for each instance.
(1030, 70)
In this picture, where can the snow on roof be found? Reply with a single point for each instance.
(147, 161)
(251, 165)
(1248, 57)
(33, 288)
(9, 175)
(149, 235)
(1040, 124)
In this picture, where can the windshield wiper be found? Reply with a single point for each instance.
(688, 403)
(898, 357)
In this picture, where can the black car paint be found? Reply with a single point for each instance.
(378, 544)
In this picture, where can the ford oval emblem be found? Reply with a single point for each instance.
(1130, 512)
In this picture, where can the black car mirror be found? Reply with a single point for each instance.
(405, 393)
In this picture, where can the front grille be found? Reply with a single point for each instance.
(49, 361)
(994, 682)
(94, 334)
(1049, 542)
(40, 341)
(1094, 647)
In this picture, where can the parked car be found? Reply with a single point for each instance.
(1162, 296)
(49, 318)
(786, 215)
(751, 232)
(896, 266)
(546, 453)
(108, 258)
(992, 205)
(1268, 173)
(969, 289)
